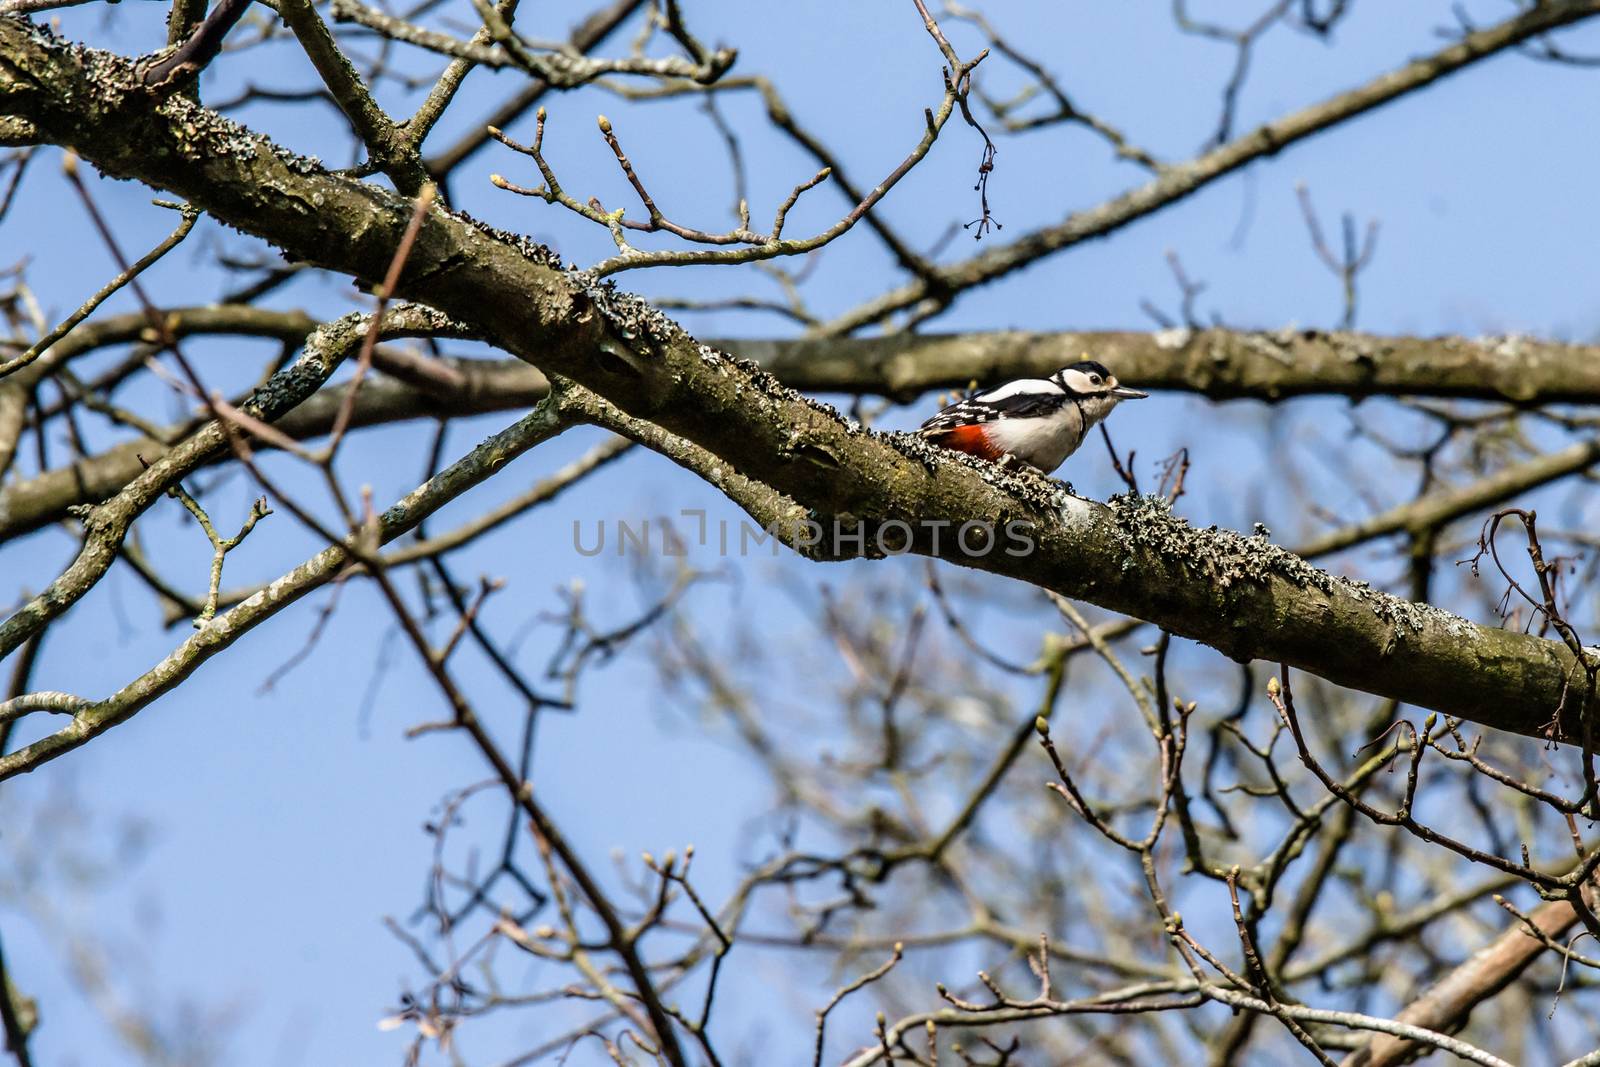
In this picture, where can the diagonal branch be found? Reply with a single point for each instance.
(193, 52)
(752, 247)
(107, 524)
(1242, 596)
(42, 345)
(589, 34)
(556, 69)
(93, 718)
(391, 150)
(1182, 180)
(1447, 1003)
(485, 386)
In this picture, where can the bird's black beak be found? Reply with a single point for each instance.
(1123, 392)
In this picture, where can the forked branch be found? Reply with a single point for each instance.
(743, 245)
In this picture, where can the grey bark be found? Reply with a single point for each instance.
(1240, 595)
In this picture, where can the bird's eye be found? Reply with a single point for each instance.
(1094, 379)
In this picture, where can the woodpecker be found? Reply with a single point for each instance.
(1040, 421)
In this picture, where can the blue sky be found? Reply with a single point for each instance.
(279, 829)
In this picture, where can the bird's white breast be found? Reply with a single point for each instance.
(1043, 442)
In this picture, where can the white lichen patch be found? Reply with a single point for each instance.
(204, 133)
(531, 250)
(649, 331)
(1172, 338)
(1512, 346)
(1273, 346)
(646, 328)
(1226, 558)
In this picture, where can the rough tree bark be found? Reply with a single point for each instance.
(1130, 556)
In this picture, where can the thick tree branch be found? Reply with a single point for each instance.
(1221, 364)
(229, 320)
(1240, 595)
(1218, 363)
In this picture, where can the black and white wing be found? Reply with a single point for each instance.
(1026, 398)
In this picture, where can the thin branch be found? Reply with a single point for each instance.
(391, 150)
(1182, 180)
(555, 69)
(754, 247)
(42, 345)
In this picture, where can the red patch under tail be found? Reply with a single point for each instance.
(970, 439)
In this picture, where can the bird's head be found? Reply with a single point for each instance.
(1094, 387)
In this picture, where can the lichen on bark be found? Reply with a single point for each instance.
(516, 295)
